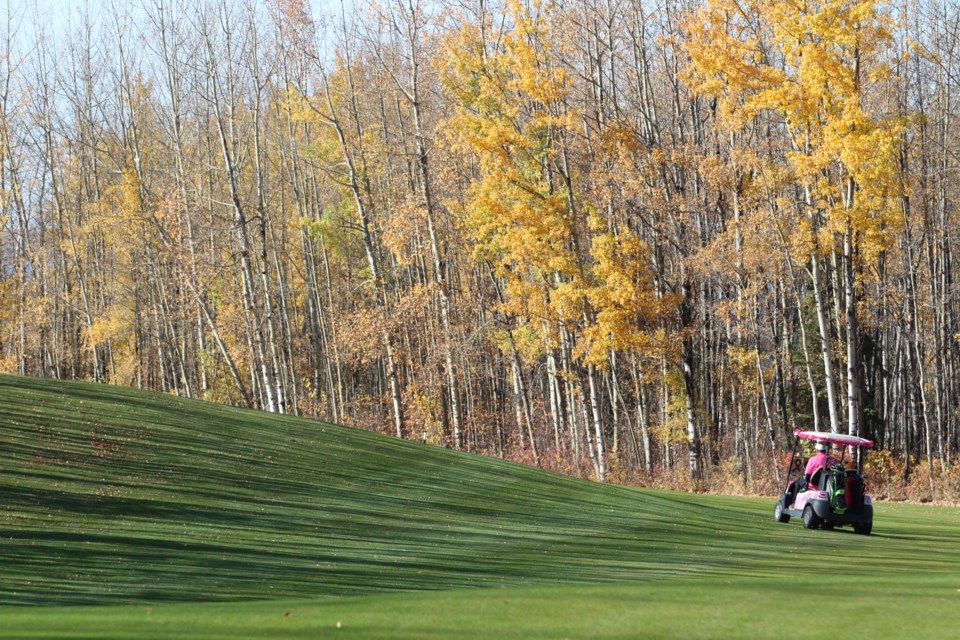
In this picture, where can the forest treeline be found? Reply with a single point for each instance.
(634, 240)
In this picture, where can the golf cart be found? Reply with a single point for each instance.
(833, 495)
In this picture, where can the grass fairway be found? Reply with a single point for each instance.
(125, 514)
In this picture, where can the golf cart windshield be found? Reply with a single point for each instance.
(837, 439)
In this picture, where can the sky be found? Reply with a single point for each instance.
(58, 15)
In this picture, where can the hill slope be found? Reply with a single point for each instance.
(114, 496)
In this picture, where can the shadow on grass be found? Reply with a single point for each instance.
(200, 502)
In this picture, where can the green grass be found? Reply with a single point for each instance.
(126, 514)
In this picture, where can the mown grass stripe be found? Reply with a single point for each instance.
(112, 496)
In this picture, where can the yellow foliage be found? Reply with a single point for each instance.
(511, 115)
(530, 215)
(8, 363)
(810, 64)
(628, 309)
(115, 323)
(8, 303)
(743, 366)
(674, 429)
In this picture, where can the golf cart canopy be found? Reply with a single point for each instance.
(838, 439)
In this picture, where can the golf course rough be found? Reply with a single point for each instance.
(132, 514)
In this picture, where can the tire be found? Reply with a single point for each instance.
(778, 513)
(810, 519)
(864, 528)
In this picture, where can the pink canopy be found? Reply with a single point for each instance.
(839, 439)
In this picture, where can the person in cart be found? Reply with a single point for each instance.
(817, 462)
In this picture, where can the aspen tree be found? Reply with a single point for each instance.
(512, 113)
(813, 65)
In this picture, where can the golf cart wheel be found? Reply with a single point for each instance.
(778, 513)
(864, 528)
(810, 519)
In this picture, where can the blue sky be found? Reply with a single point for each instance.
(57, 14)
